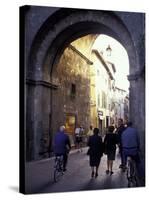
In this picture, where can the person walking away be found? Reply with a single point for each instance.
(90, 132)
(110, 142)
(82, 131)
(62, 145)
(119, 132)
(95, 151)
(125, 123)
(78, 138)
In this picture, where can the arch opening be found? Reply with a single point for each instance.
(76, 67)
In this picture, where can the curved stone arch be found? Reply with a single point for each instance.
(49, 44)
(74, 24)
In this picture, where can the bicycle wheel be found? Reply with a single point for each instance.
(57, 175)
(134, 175)
(58, 172)
(131, 174)
(128, 173)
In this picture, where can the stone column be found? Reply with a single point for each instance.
(137, 105)
(38, 135)
(34, 128)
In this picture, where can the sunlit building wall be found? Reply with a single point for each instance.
(71, 101)
(104, 80)
(121, 104)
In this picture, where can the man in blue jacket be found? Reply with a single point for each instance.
(62, 145)
(130, 143)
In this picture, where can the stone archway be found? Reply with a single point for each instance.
(75, 24)
(56, 33)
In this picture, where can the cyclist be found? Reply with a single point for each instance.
(62, 145)
(130, 144)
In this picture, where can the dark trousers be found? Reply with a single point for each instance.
(139, 163)
(122, 156)
(132, 152)
(65, 157)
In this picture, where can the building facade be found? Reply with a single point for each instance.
(120, 105)
(104, 81)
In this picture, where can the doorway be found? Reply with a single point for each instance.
(70, 123)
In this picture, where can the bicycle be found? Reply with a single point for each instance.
(58, 172)
(131, 172)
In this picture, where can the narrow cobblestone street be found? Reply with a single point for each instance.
(39, 177)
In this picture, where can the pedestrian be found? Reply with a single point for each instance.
(125, 123)
(119, 132)
(62, 145)
(82, 133)
(95, 151)
(115, 128)
(78, 138)
(110, 142)
(90, 132)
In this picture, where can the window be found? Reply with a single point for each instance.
(73, 90)
(98, 100)
(109, 82)
(104, 100)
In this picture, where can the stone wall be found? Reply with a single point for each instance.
(73, 68)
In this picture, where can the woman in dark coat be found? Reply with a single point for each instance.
(95, 151)
(110, 142)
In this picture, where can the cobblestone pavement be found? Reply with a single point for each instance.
(39, 175)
